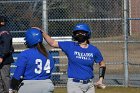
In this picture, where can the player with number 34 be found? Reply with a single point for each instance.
(35, 66)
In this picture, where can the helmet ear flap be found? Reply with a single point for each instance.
(88, 35)
(73, 36)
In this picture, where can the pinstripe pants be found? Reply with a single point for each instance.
(4, 78)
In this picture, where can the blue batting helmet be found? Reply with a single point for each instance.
(33, 36)
(82, 27)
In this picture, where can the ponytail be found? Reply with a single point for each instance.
(42, 49)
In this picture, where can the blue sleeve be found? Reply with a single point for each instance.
(65, 46)
(21, 60)
(98, 56)
(19, 71)
(21, 65)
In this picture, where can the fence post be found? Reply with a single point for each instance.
(45, 16)
(126, 13)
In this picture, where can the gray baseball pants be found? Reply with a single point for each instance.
(77, 87)
(36, 86)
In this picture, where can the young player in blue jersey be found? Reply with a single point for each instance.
(35, 65)
(81, 58)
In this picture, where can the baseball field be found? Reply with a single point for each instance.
(107, 90)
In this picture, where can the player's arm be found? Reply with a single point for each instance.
(6, 39)
(14, 87)
(6, 47)
(16, 79)
(48, 39)
(102, 69)
(15, 83)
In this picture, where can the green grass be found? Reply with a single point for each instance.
(107, 90)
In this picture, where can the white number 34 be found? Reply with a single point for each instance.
(40, 67)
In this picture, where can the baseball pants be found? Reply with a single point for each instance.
(78, 87)
(36, 86)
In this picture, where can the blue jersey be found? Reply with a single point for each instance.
(33, 65)
(80, 60)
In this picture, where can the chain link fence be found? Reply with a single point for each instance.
(114, 25)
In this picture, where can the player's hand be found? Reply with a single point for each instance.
(99, 85)
(38, 29)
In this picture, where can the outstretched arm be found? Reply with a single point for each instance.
(50, 41)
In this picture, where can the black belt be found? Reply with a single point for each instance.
(82, 81)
